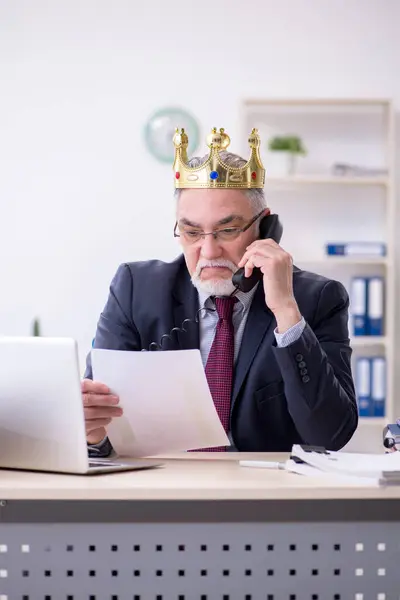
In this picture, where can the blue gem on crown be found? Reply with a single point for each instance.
(214, 175)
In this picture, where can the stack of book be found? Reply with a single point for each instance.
(367, 318)
(370, 380)
(367, 305)
(360, 249)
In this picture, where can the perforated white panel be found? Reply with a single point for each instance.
(238, 561)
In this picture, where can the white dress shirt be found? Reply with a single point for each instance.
(208, 320)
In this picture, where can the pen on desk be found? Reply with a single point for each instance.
(262, 464)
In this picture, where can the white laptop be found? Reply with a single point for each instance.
(42, 424)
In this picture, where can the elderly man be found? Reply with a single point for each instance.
(276, 356)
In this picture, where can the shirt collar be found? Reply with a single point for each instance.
(244, 300)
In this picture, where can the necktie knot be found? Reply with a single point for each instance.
(224, 307)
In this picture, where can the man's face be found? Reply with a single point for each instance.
(211, 262)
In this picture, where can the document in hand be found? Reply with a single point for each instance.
(383, 469)
(166, 401)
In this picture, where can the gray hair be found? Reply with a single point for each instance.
(255, 196)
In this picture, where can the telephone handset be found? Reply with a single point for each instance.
(270, 227)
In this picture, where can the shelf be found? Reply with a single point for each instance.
(339, 131)
(362, 341)
(373, 421)
(343, 260)
(316, 102)
(326, 180)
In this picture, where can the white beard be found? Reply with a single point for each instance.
(217, 286)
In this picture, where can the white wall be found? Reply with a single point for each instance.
(78, 78)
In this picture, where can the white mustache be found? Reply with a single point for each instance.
(222, 262)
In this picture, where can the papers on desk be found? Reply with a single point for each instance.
(165, 398)
(357, 469)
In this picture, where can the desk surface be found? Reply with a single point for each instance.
(194, 476)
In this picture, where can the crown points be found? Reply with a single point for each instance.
(225, 139)
(218, 140)
(214, 139)
(181, 139)
(254, 139)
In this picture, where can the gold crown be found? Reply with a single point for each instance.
(214, 173)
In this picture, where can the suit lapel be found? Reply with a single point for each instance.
(185, 306)
(259, 321)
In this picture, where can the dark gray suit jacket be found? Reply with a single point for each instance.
(303, 393)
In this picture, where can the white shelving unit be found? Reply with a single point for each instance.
(337, 208)
(321, 180)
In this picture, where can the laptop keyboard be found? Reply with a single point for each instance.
(103, 463)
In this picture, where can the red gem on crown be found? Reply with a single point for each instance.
(253, 175)
(177, 175)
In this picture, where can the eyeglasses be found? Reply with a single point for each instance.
(228, 234)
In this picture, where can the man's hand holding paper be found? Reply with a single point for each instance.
(166, 402)
(100, 407)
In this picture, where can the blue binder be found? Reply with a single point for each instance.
(378, 386)
(358, 305)
(375, 306)
(356, 249)
(363, 386)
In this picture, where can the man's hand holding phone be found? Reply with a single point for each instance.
(277, 268)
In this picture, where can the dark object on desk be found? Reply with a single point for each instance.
(318, 449)
(391, 435)
(307, 448)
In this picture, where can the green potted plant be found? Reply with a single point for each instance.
(285, 149)
(36, 328)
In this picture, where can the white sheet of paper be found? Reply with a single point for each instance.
(348, 463)
(334, 478)
(166, 401)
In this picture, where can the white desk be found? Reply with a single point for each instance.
(200, 527)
